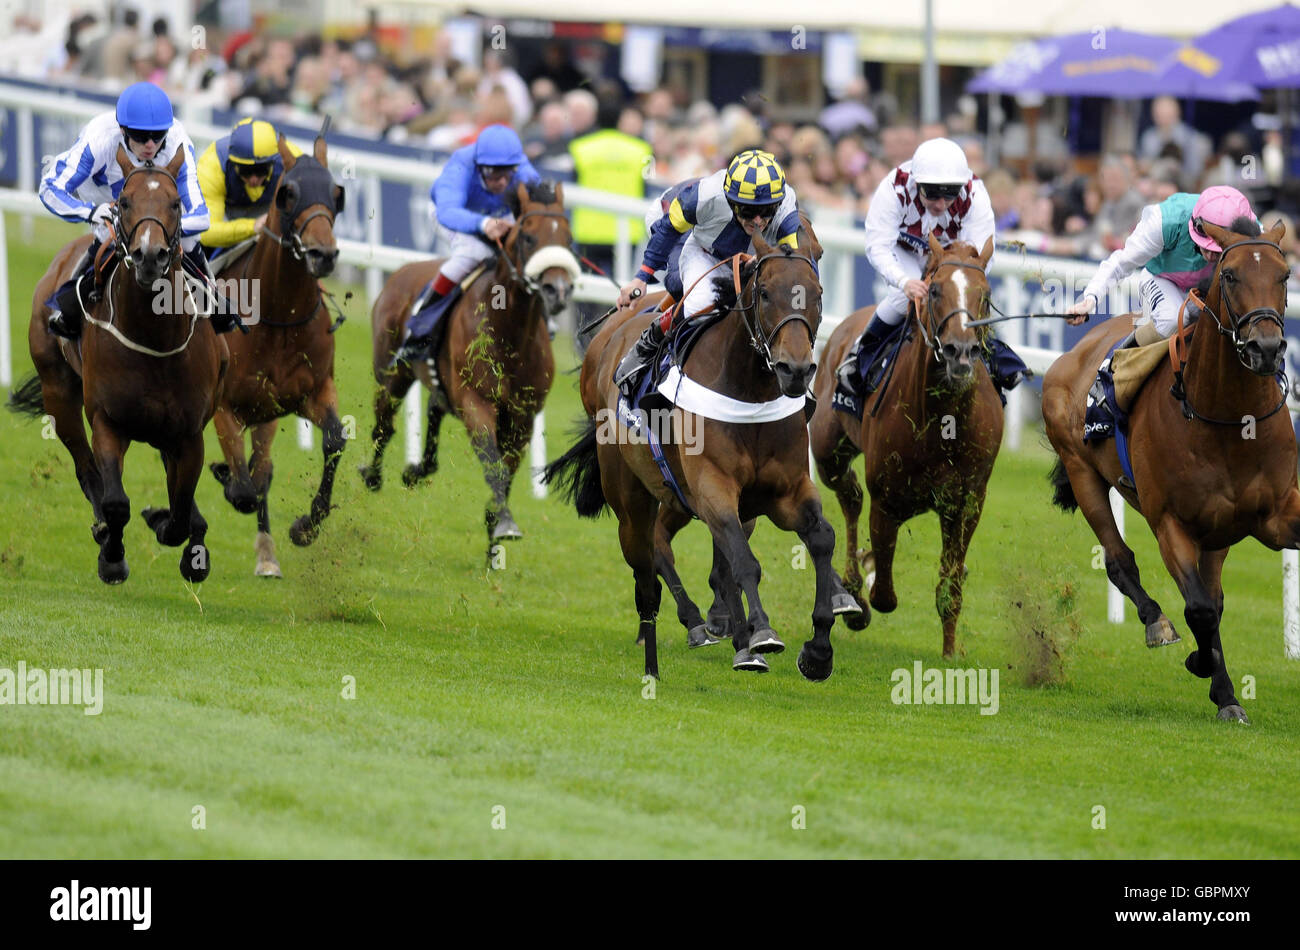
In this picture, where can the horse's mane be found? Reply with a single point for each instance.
(1247, 226)
(541, 192)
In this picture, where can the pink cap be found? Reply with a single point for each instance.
(1219, 205)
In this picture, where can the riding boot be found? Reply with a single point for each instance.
(416, 346)
(223, 314)
(67, 317)
(854, 369)
(638, 358)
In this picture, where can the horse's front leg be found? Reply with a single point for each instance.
(801, 512)
(322, 410)
(263, 469)
(957, 521)
(109, 449)
(181, 520)
(834, 453)
(480, 418)
(233, 473)
(1182, 556)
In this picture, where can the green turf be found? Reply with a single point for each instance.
(523, 689)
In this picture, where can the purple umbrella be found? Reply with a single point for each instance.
(1100, 62)
(1235, 60)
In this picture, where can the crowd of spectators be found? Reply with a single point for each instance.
(835, 163)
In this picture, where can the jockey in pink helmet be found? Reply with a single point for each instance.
(1176, 253)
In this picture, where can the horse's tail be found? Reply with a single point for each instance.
(577, 473)
(26, 398)
(1063, 494)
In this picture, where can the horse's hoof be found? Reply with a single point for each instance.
(99, 532)
(1199, 668)
(221, 472)
(699, 636)
(765, 641)
(746, 662)
(1234, 714)
(268, 569)
(412, 475)
(371, 477)
(859, 620)
(813, 670)
(1161, 633)
(845, 603)
(882, 602)
(243, 500)
(719, 627)
(113, 572)
(303, 532)
(195, 575)
(505, 528)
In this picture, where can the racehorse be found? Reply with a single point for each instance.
(759, 351)
(928, 441)
(285, 363)
(1211, 466)
(145, 371)
(495, 364)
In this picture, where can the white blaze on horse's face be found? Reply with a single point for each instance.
(959, 281)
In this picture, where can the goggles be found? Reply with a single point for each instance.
(936, 192)
(145, 135)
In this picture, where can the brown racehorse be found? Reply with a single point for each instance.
(1210, 469)
(933, 441)
(285, 363)
(762, 350)
(143, 373)
(495, 363)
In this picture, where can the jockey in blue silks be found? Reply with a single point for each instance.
(83, 184)
(469, 200)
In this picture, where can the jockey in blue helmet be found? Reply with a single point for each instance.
(469, 201)
(83, 183)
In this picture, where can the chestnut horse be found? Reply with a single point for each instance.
(285, 363)
(760, 351)
(144, 372)
(494, 364)
(931, 444)
(1213, 465)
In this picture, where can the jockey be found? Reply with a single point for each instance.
(1176, 252)
(238, 175)
(936, 193)
(83, 183)
(468, 200)
(707, 221)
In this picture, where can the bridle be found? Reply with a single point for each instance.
(749, 312)
(530, 284)
(1250, 319)
(122, 238)
(292, 242)
(931, 334)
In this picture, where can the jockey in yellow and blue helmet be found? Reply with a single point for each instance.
(707, 221)
(238, 174)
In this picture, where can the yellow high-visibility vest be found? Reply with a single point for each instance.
(611, 161)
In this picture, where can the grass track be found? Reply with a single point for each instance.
(523, 689)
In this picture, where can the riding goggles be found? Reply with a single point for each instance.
(145, 135)
(935, 192)
(754, 211)
(497, 171)
(260, 170)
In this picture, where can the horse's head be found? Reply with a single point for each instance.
(148, 225)
(1247, 295)
(782, 290)
(958, 287)
(538, 246)
(302, 215)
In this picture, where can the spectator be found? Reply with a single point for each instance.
(898, 143)
(558, 68)
(115, 54)
(270, 84)
(1002, 196)
(1169, 129)
(497, 71)
(1121, 206)
(582, 107)
(549, 142)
